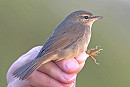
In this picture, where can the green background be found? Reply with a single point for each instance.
(25, 24)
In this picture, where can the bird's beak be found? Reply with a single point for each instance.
(96, 17)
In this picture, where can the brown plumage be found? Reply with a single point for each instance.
(69, 39)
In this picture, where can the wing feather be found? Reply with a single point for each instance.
(63, 40)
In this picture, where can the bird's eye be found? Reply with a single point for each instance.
(86, 17)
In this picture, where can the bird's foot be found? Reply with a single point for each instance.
(92, 52)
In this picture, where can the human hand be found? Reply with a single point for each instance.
(52, 74)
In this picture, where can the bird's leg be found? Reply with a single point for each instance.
(91, 52)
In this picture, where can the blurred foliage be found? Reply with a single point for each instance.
(25, 24)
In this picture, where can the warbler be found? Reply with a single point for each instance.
(70, 38)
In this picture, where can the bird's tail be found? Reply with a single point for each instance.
(26, 70)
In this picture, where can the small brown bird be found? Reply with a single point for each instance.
(69, 39)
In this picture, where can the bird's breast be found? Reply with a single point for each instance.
(76, 48)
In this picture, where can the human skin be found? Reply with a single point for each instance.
(52, 74)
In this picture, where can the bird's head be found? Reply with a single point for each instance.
(83, 17)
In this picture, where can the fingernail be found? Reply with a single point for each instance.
(69, 77)
(35, 49)
(71, 64)
(82, 57)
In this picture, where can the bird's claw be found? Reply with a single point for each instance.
(91, 52)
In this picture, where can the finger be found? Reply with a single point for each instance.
(26, 57)
(82, 57)
(39, 79)
(80, 67)
(22, 60)
(33, 50)
(69, 65)
(55, 72)
(72, 65)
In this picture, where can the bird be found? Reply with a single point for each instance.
(70, 38)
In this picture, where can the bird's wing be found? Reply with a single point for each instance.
(58, 41)
(62, 40)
